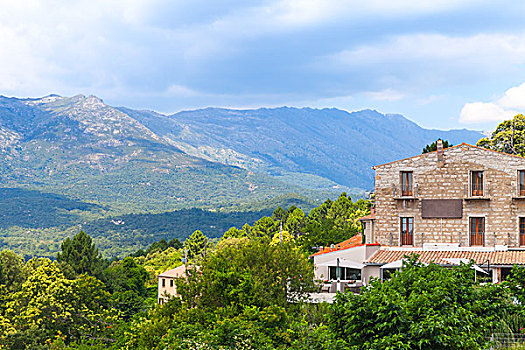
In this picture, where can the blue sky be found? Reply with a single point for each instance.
(443, 64)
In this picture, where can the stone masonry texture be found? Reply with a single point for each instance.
(500, 206)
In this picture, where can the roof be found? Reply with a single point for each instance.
(176, 272)
(510, 257)
(370, 216)
(356, 241)
(444, 150)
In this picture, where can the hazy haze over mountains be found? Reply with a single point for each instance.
(331, 143)
(312, 148)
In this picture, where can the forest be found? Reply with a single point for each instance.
(80, 300)
(248, 290)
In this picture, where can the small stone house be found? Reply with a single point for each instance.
(167, 287)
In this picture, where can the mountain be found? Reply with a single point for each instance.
(132, 177)
(300, 146)
(87, 150)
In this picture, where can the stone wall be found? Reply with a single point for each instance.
(501, 209)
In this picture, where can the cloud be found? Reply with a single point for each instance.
(510, 104)
(385, 95)
(172, 55)
(481, 112)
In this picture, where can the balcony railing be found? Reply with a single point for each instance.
(458, 239)
(407, 194)
(472, 194)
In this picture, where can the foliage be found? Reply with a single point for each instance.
(82, 255)
(197, 245)
(433, 146)
(126, 280)
(47, 304)
(331, 222)
(422, 307)
(508, 137)
(250, 273)
(159, 261)
(11, 270)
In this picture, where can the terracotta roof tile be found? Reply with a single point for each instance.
(353, 242)
(349, 243)
(495, 258)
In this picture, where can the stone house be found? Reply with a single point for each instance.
(166, 287)
(458, 203)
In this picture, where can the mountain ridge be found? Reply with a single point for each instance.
(72, 162)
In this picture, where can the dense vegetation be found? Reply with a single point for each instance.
(247, 291)
(248, 276)
(34, 223)
(509, 137)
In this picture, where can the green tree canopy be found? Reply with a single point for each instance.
(433, 146)
(421, 307)
(196, 245)
(82, 255)
(246, 273)
(12, 272)
(509, 137)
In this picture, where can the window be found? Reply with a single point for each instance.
(506, 272)
(345, 273)
(163, 283)
(476, 182)
(353, 274)
(171, 283)
(406, 183)
(477, 231)
(521, 181)
(407, 231)
(522, 231)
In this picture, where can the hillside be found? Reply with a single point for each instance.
(84, 149)
(299, 146)
(72, 162)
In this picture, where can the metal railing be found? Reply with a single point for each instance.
(489, 239)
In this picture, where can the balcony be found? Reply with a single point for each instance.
(398, 194)
(470, 194)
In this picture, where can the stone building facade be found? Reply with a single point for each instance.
(451, 206)
(462, 197)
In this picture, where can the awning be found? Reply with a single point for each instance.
(393, 265)
(457, 261)
(398, 264)
(343, 263)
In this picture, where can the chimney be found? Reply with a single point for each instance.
(440, 159)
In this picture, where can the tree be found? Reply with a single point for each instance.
(127, 281)
(433, 146)
(244, 273)
(421, 307)
(509, 137)
(196, 245)
(126, 275)
(48, 305)
(82, 255)
(295, 222)
(265, 227)
(11, 270)
(233, 232)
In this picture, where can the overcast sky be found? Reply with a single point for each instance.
(444, 64)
